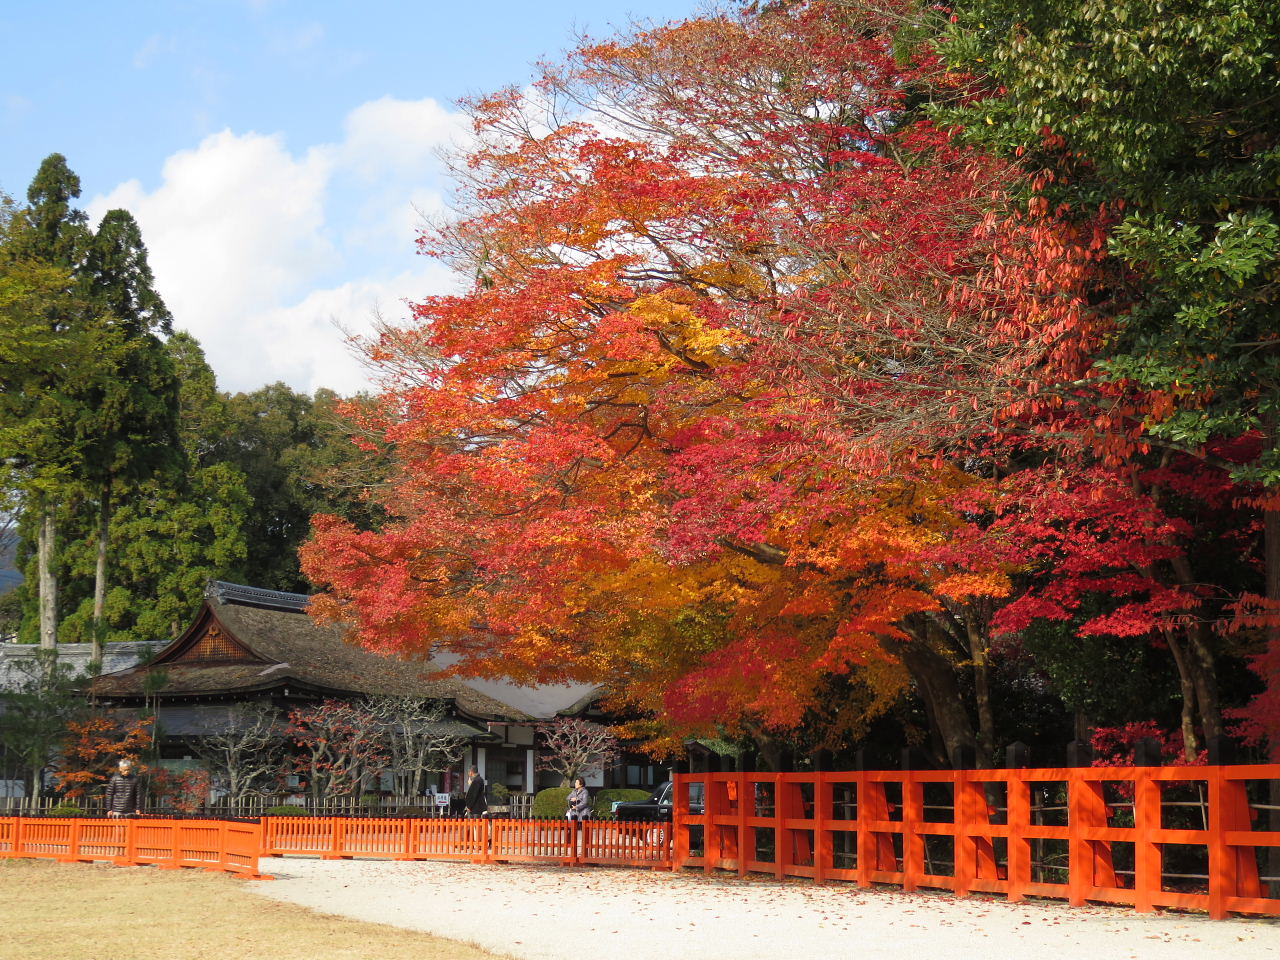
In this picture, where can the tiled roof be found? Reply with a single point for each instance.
(248, 643)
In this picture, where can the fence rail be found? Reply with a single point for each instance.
(517, 806)
(1190, 837)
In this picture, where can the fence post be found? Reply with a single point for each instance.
(73, 847)
(711, 844)
(1088, 860)
(1220, 873)
(1233, 871)
(782, 850)
(912, 840)
(966, 819)
(823, 848)
(866, 840)
(175, 829)
(337, 838)
(1147, 866)
(1080, 799)
(130, 842)
(679, 821)
(745, 803)
(1018, 819)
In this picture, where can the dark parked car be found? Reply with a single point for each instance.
(657, 808)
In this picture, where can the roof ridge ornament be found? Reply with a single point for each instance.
(243, 595)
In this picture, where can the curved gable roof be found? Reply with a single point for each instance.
(236, 646)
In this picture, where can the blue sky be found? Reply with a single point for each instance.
(276, 153)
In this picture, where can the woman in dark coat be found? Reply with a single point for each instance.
(579, 801)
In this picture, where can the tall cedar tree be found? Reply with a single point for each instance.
(41, 420)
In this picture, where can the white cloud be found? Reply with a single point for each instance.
(152, 49)
(398, 136)
(324, 318)
(258, 250)
(302, 39)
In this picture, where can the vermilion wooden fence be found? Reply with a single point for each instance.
(1205, 838)
(232, 847)
(1190, 837)
(478, 841)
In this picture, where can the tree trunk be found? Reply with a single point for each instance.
(1271, 553)
(935, 679)
(1187, 688)
(1082, 727)
(48, 583)
(1271, 559)
(1201, 662)
(982, 693)
(100, 581)
(1204, 673)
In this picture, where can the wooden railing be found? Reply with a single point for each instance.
(480, 840)
(1203, 838)
(232, 847)
(1190, 837)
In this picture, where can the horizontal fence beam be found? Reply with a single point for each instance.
(1195, 837)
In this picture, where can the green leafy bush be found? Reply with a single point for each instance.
(500, 792)
(551, 804)
(602, 803)
(286, 810)
(66, 810)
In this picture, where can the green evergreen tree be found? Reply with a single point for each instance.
(40, 418)
(133, 425)
(176, 531)
(297, 454)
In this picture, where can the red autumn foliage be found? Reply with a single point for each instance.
(763, 379)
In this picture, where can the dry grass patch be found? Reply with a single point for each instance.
(65, 911)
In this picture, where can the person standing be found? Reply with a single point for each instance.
(474, 803)
(579, 801)
(123, 791)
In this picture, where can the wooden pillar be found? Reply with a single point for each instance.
(1019, 820)
(1147, 857)
(912, 841)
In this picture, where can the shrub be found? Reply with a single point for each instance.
(602, 803)
(66, 810)
(500, 792)
(551, 804)
(412, 812)
(286, 810)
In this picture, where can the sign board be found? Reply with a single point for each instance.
(442, 799)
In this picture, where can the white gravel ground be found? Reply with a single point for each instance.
(556, 913)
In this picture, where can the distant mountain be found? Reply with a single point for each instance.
(9, 575)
